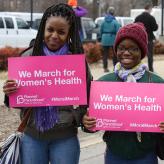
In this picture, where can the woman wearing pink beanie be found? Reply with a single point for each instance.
(129, 147)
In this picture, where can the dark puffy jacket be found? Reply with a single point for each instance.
(149, 23)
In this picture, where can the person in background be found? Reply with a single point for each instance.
(151, 25)
(129, 147)
(108, 31)
(50, 136)
(79, 12)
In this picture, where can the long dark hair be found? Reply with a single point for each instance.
(66, 12)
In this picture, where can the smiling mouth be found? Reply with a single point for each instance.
(126, 59)
(53, 43)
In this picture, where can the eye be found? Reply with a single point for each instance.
(61, 32)
(120, 49)
(134, 49)
(49, 29)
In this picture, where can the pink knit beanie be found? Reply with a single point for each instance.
(136, 32)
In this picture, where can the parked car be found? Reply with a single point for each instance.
(36, 23)
(24, 15)
(89, 28)
(15, 32)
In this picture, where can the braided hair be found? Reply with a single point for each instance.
(65, 11)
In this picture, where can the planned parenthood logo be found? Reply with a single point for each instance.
(104, 123)
(20, 99)
(29, 99)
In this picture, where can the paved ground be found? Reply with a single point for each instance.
(92, 147)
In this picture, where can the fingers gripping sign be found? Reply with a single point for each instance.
(10, 86)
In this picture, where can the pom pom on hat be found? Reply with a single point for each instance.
(72, 3)
(136, 32)
(79, 11)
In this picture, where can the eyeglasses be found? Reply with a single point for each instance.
(131, 50)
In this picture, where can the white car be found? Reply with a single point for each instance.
(15, 32)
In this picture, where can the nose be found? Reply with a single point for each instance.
(54, 34)
(126, 52)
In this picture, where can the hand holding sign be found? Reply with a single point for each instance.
(89, 122)
(161, 125)
(10, 86)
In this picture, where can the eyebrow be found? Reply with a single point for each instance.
(131, 45)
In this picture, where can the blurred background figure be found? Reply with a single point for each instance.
(108, 31)
(151, 25)
(79, 12)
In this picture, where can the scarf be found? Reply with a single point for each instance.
(47, 117)
(131, 75)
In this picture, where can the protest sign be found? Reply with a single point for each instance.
(120, 106)
(48, 80)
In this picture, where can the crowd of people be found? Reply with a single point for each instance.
(50, 135)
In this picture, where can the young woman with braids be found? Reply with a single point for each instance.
(51, 133)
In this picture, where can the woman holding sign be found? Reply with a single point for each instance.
(129, 147)
(51, 132)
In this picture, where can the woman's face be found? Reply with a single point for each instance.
(128, 53)
(56, 32)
